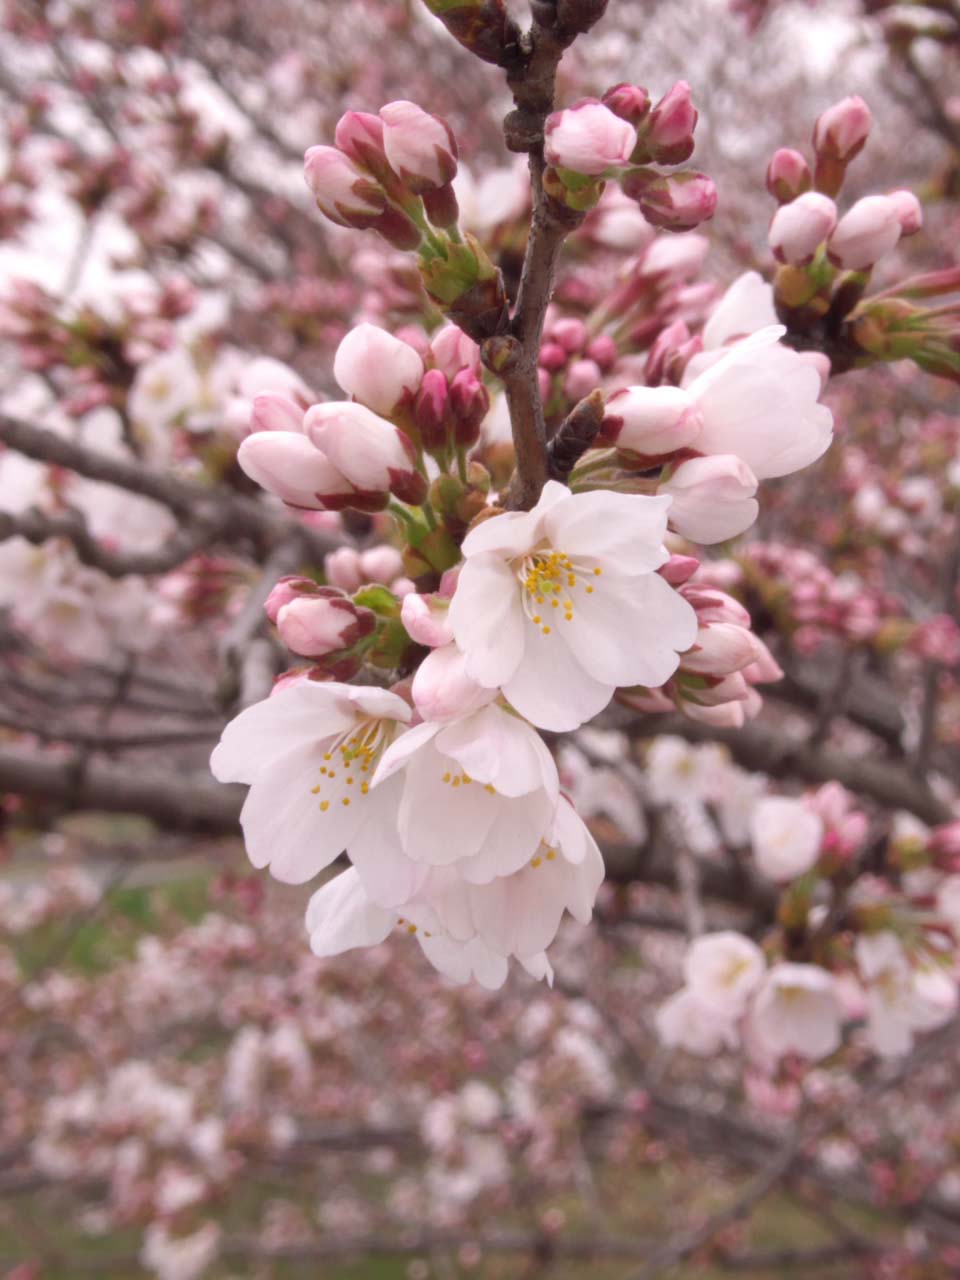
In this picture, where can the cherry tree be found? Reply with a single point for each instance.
(587, 622)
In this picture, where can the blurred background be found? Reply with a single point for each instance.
(186, 1091)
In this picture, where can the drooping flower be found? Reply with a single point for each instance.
(561, 605)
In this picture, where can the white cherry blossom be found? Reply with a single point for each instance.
(797, 1010)
(309, 753)
(561, 605)
(785, 836)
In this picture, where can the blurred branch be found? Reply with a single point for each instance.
(225, 515)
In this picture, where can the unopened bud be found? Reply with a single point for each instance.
(678, 201)
(420, 147)
(666, 136)
(452, 350)
(865, 233)
(325, 622)
(628, 101)
(799, 228)
(838, 136)
(288, 588)
(788, 175)
(909, 211)
(342, 191)
(588, 139)
(469, 404)
(431, 410)
(376, 368)
(359, 135)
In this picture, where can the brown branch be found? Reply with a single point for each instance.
(766, 749)
(225, 514)
(181, 801)
(514, 358)
(37, 528)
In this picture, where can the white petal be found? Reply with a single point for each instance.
(538, 967)
(398, 754)
(440, 822)
(551, 688)
(486, 617)
(631, 630)
(304, 712)
(389, 877)
(513, 839)
(460, 961)
(339, 917)
(496, 747)
(283, 826)
(627, 529)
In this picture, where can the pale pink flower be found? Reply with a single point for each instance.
(786, 837)
(545, 598)
(309, 753)
(723, 970)
(651, 420)
(685, 1022)
(797, 1010)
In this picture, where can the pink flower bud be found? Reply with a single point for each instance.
(570, 333)
(603, 350)
(342, 191)
(313, 626)
(799, 228)
(381, 564)
(865, 233)
(374, 456)
(452, 351)
(670, 353)
(679, 569)
(342, 568)
(273, 411)
(288, 588)
(552, 357)
(420, 147)
(788, 175)
(431, 410)
(583, 376)
(285, 463)
(469, 405)
(628, 101)
(713, 605)
(667, 135)
(359, 135)
(651, 421)
(842, 130)
(588, 139)
(909, 209)
(376, 368)
(712, 498)
(679, 201)
(425, 619)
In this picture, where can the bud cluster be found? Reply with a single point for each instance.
(714, 683)
(826, 258)
(393, 173)
(623, 137)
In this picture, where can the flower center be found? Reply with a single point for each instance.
(350, 760)
(549, 580)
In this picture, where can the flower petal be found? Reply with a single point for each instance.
(551, 688)
(624, 528)
(486, 618)
(340, 917)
